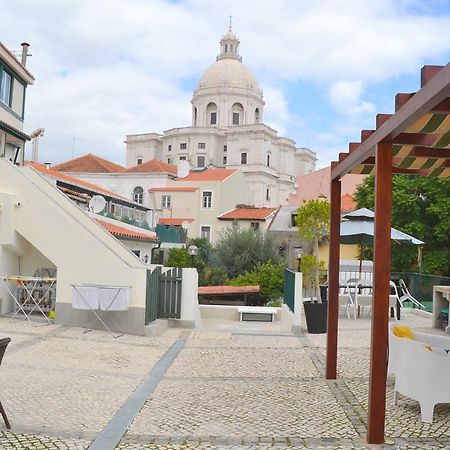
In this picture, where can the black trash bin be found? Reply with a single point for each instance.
(316, 317)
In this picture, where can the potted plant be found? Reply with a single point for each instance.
(313, 223)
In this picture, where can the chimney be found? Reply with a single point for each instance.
(47, 165)
(25, 46)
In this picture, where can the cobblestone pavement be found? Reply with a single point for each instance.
(225, 390)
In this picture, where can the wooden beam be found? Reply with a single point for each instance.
(365, 134)
(427, 73)
(381, 119)
(430, 152)
(380, 301)
(420, 139)
(403, 171)
(353, 146)
(443, 107)
(401, 99)
(435, 92)
(333, 280)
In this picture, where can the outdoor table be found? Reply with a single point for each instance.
(29, 284)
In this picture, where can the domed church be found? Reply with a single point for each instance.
(228, 131)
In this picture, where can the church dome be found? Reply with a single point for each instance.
(228, 72)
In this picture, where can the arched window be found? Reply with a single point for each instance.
(195, 116)
(211, 110)
(237, 110)
(138, 194)
(257, 115)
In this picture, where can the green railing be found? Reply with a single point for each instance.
(421, 286)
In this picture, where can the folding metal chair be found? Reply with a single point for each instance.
(3, 344)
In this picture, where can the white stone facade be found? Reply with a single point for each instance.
(228, 131)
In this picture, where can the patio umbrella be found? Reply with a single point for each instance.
(358, 228)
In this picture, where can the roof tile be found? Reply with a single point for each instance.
(123, 232)
(248, 213)
(152, 166)
(208, 175)
(211, 290)
(89, 164)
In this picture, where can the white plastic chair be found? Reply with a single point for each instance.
(346, 300)
(364, 296)
(406, 295)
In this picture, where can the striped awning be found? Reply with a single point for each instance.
(419, 132)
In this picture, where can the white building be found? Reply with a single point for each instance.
(228, 131)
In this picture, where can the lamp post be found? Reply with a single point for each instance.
(193, 252)
(298, 253)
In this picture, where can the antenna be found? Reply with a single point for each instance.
(97, 204)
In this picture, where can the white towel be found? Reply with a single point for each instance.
(114, 298)
(85, 297)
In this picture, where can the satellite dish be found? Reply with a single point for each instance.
(97, 204)
(182, 169)
(185, 225)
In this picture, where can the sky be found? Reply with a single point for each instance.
(108, 68)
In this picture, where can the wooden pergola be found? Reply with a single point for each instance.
(415, 140)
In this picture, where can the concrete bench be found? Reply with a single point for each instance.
(256, 314)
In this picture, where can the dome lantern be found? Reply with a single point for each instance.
(229, 45)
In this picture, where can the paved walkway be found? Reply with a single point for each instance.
(63, 389)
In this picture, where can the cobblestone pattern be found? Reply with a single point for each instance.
(38, 442)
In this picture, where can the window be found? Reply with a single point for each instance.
(201, 161)
(138, 194)
(237, 109)
(211, 109)
(225, 148)
(205, 233)
(267, 194)
(169, 148)
(257, 115)
(207, 199)
(213, 120)
(137, 253)
(201, 145)
(169, 160)
(293, 220)
(254, 225)
(243, 158)
(268, 161)
(224, 160)
(139, 161)
(165, 201)
(183, 146)
(183, 158)
(235, 118)
(5, 87)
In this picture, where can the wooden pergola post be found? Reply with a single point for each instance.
(380, 307)
(333, 281)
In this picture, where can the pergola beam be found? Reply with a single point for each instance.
(380, 310)
(435, 91)
(430, 152)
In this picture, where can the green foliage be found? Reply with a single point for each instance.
(274, 303)
(269, 276)
(178, 257)
(204, 248)
(421, 208)
(145, 225)
(313, 220)
(309, 266)
(214, 276)
(128, 220)
(239, 251)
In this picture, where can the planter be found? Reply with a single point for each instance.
(316, 317)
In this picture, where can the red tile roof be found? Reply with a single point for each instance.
(315, 184)
(69, 179)
(215, 290)
(174, 189)
(248, 213)
(6, 49)
(173, 221)
(15, 130)
(153, 166)
(89, 164)
(348, 203)
(208, 175)
(122, 232)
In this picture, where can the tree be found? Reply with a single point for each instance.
(179, 257)
(313, 224)
(239, 251)
(270, 278)
(421, 208)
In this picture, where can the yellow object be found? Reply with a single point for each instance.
(428, 347)
(403, 332)
(51, 314)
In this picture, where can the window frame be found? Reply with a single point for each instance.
(201, 145)
(238, 116)
(209, 204)
(139, 161)
(3, 70)
(244, 158)
(204, 160)
(211, 115)
(138, 195)
(166, 201)
(209, 232)
(183, 145)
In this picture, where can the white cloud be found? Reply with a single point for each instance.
(107, 68)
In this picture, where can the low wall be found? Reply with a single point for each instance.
(222, 312)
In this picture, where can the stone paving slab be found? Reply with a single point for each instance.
(243, 407)
(243, 362)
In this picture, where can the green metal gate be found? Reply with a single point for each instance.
(163, 294)
(289, 288)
